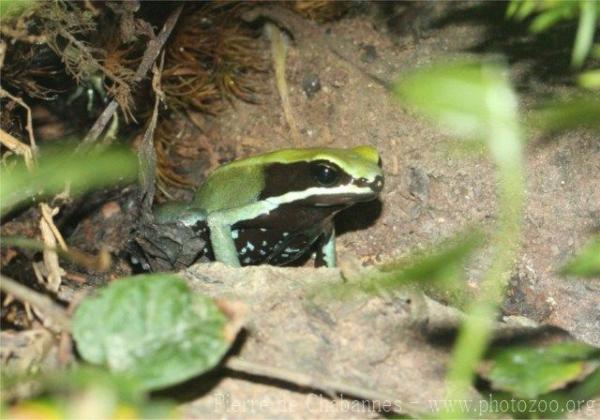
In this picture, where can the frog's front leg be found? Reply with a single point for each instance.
(221, 239)
(326, 251)
(220, 223)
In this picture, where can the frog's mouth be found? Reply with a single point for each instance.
(340, 199)
(341, 195)
(358, 191)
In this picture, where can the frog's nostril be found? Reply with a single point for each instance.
(377, 185)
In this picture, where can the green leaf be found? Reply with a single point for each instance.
(57, 169)
(549, 18)
(89, 392)
(584, 39)
(528, 372)
(438, 270)
(470, 97)
(512, 8)
(13, 9)
(587, 263)
(151, 328)
(569, 114)
(433, 265)
(589, 79)
(520, 9)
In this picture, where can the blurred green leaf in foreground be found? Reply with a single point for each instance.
(438, 270)
(587, 263)
(84, 391)
(528, 372)
(58, 170)
(475, 100)
(560, 115)
(153, 329)
(543, 380)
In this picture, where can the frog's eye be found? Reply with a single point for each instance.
(324, 174)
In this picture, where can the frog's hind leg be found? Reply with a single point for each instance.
(178, 212)
(326, 251)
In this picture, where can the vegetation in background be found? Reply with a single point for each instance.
(487, 111)
(548, 13)
(581, 111)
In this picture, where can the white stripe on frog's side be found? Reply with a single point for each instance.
(259, 208)
(267, 205)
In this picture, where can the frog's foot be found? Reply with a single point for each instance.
(326, 252)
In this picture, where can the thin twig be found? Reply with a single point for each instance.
(2, 53)
(306, 381)
(279, 53)
(18, 147)
(50, 236)
(29, 125)
(147, 155)
(100, 262)
(83, 49)
(150, 55)
(20, 35)
(306, 32)
(41, 302)
(48, 215)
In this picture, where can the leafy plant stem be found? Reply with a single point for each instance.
(505, 146)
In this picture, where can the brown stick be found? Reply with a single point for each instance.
(279, 53)
(41, 302)
(150, 55)
(29, 124)
(19, 148)
(306, 32)
(147, 154)
(386, 402)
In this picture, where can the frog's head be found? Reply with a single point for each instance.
(320, 176)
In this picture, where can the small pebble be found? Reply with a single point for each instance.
(311, 84)
(340, 79)
(110, 209)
